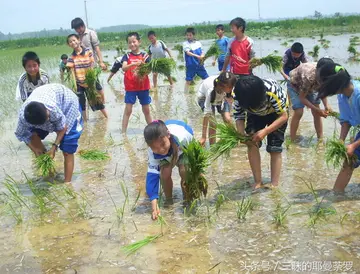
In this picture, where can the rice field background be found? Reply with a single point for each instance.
(90, 226)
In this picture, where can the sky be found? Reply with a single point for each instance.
(34, 15)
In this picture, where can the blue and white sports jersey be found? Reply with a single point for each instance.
(194, 47)
(182, 134)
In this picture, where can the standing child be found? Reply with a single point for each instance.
(135, 87)
(62, 66)
(51, 108)
(79, 62)
(222, 43)
(240, 49)
(165, 141)
(32, 78)
(193, 56)
(266, 105)
(157, 50)
(336, 80)
(302, 91)
(212, 93)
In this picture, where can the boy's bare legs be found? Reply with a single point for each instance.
(165, 175)
(212, 130)
(155, 76)
(318, 123)
(84, 116)
(255, 164)
(182, 172)
(146, 111)
(36, 145)
(276, 161)
(126, 117)
(170, 81)
(295, 120)
(343, 178)
(103, 111)
(68, 166)
(187, 86)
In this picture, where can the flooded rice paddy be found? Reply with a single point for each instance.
(51, 228)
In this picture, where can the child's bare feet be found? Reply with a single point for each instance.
(257, 185)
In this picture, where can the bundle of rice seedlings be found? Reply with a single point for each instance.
(134, 247)
(180, 50)
(229, 139)
(91, 77)
(45, 165)
(244, 207)
(272, 62)
(336, 153)
(334, 114)
(181, 67)
(94, 155)
(197, 160)
(164, 66)
(315, 52)
(214, 50)
(70, 80)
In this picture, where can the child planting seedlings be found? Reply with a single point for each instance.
(165, 141)
(51, 108)
(335, 79)
(211, 95)
(266, 105)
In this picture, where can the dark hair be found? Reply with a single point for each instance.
(155, 130)
(220, 27)
(137, 36)
(297, 48)
(239, 23)
(30, 55)
(250, 91)
(190, 30)
(72, 35)
(151, 32)
(64, 56)
(35, 113)
(333, 78)
(323, 61)
(77, 23)
(225, 78)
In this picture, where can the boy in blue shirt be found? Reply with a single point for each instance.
(222, 43)
(193, 56)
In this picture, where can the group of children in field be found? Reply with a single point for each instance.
(260, 105)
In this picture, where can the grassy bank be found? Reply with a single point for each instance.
(287, 28)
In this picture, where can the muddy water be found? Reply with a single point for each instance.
(90, 240)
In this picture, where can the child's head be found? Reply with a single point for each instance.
(64, 58)
(157, 136)
(323, 61)
(73, 41)
(133, 40)
(223, 84)
(35, 113)
(220, 30)
(78, 25)
(31, 63)
(297, 49)
(190, 33)
(152, 36)
(238, 26)
(334, 79)
(250, 92)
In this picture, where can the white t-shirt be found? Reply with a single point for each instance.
(204, 93)
(158, 50)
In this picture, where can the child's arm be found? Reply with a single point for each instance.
(306, 102)
(126, 66)
(192, 54)
(261, 134)
(345, 128)
(115, 68)
(239, 116)
(168, 51)
(204, 130)
(285, 59)
(226, 63)
(326, 104)
(152, 183)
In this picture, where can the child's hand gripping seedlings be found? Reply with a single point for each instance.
(45, 165)
(91, 77)
(336, 153)
(272, 62)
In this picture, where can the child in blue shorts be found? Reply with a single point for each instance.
(193, 56)
(51, 108)
(135, 87)
(335, 79)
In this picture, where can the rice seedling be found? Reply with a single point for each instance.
(84, 205)
(190, 210)
(334, 114)
(220, 199)
(352, 50)
(94, 155)
(343, 218)
(133, 208)
(181, 67)
(16, 214)
(179, 48)
(45, 165)
(229, 139)
(134, 247)
(280, 214)
(336, 153)
(284, 44)
(272, 62)
(315, 52)
(197, 160)
(91, 77)
(243, 208)
(118, 210)
(213, 51)
(40, 198)
(288, 142)
(14, 194)
(163, 66)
